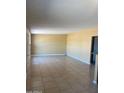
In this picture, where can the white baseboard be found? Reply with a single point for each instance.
(78, 59)
(49, 55)
(94, 82)
(60, 55)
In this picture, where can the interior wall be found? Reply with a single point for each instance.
(48, 44)
(79, 44)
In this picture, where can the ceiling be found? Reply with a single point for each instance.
(61, 14)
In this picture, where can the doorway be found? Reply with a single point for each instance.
(94, 49)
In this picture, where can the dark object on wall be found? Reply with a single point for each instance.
(94, 49)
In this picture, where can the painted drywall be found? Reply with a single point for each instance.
(79, 44)
(48, 44)
(61, 13)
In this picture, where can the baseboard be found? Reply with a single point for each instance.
(94, 82)
(78, 59)
(49, 55)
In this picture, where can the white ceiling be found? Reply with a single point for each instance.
(61, 14)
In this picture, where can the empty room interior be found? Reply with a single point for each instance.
(61, 46)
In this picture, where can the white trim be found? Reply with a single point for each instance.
(49, 55)
(94, 82)
(78, 59)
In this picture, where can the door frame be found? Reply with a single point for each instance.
(92, 46)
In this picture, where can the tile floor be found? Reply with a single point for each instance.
(60, 74)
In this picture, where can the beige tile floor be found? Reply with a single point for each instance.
(60, 74)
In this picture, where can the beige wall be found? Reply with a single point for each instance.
(76, 44)
(79, 44)
(48, 44)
